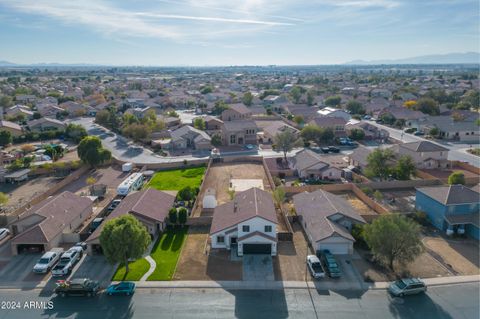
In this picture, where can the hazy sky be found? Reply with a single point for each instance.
(233, 32)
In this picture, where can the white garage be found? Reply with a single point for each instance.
(337, 248)
(327, 220)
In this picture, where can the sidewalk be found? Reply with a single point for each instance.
(263, 285)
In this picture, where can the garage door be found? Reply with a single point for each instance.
(257, 249)
(337, 248)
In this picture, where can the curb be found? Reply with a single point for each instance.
(268, 285)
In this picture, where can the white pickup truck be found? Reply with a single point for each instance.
(66, 263)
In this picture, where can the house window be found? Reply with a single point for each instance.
(232, 139)
(268, 229)
(220, 239)
(245, 228)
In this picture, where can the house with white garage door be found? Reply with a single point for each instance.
(327, 220)
(247, 223)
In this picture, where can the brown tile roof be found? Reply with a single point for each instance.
(317, 207)
(451, 195)
(149, 203)
(57, 213)
(240, 108)
(253, 202)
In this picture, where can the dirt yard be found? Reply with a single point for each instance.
(195, 264)
(444, 173)
(111, 176)
(425, 266)
(404, 200)
(219, 176)
(289, 264)
(461, 256)
(358, 205)
(20, 194)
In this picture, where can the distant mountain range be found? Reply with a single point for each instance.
(450, 58)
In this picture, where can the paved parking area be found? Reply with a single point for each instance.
(257, 267)
(94, 267)
(19, 268)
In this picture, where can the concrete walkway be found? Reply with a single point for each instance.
(153, 265)
(249, 285)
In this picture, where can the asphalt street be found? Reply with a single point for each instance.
(125, 150)
(457, 150)
(453, 301)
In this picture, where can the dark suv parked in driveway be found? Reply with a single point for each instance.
(330, 264)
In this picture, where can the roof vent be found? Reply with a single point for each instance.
(235, 207)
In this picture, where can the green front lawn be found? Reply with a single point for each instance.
(136, 270)
(177, 179)
(166, 253)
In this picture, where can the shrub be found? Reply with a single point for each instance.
(182, 216)
(420, 217)
(172, 215)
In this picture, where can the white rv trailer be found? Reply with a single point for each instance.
(131, 183)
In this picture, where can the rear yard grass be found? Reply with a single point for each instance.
(135, 272)
(177, 179)
(166, 253)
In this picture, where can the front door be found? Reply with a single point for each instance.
(240, 140)
(233, 241)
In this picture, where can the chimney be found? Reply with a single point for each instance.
(235, 206)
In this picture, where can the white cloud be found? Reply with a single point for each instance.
(102, 16)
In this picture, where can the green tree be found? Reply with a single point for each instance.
(216, 140)
(279, 196)
(199, 123)
(456, 178)
(298, 119)
(172, 215)
(182, 216)
(5, 138)
(377, 163)
(356, 134)
(310, 132)
(3, 198)
(296, 94)
(286, 141)
(326, 136)
(333, 100)
(434, 132)
(37, 115)
(310, 97)
(91, 152)
(378, 195)
(355, 107)
(219, 107)
(6, 101)
(428, 106)
(76, 132)
(393, 238)
(124, 238)
(405, 168)
(247, 99)
(137, 131)
(102, 117)
(186, 193)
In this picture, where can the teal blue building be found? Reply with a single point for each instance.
(453, 209)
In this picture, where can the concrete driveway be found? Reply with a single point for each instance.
(94, 267)
(258, 268)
